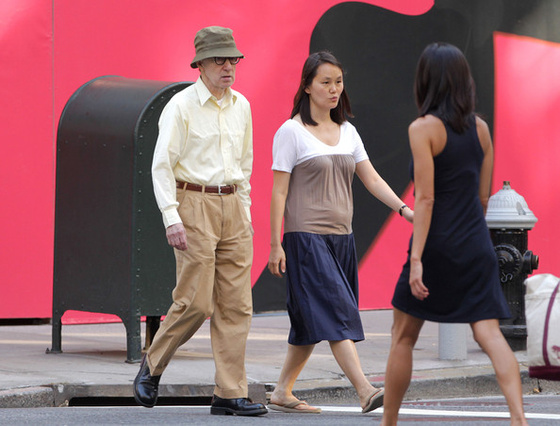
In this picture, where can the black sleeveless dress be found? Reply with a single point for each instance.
(460, 266)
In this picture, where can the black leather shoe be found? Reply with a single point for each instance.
(236, 406)
(146, 386)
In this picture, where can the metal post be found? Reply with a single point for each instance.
(453, 341)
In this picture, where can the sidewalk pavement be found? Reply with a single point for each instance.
(92, 365)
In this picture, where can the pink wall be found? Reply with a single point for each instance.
(49, 48)
(27, 160)
(527, 135)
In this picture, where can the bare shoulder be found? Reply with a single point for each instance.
(428, 131)
(427, 125)
(483, 133)
(481, 125)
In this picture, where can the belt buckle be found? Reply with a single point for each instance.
(220, 190)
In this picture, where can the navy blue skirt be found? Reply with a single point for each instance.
(322, 288)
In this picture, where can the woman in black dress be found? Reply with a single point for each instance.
(451, 274)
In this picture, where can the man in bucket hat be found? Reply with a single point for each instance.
(201, 168)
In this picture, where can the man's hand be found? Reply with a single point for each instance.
(177, 236)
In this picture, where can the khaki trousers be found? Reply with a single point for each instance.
(213, 280)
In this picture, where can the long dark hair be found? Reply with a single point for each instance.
(301, 100)
(444, 85)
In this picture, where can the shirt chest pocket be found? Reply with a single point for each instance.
(235, 143)
(232, 131)
(226, 136)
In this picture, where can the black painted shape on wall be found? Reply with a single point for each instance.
(379, 50)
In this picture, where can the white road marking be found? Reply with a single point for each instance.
(435, 413)
(404, 411)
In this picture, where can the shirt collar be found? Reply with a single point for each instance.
(204, 94)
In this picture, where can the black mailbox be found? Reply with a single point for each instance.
(110, 251)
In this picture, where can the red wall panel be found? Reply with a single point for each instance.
(52, 47)
(49, 48)
(26, 163)
(527, 135)
(154, 40)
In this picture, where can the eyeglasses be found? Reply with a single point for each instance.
(222, 60)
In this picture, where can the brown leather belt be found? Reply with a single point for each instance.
(216, 189)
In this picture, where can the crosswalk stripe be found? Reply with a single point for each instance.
(415, 412)
(435, 413)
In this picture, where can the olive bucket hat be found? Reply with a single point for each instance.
(213, 42)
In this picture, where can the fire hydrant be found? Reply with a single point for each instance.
(509, 219)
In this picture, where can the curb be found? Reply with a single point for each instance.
(337, 392)
(33, 397)
(66, 394)
(422, 389)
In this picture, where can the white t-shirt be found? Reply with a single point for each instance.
(319, 198)
(294, 144)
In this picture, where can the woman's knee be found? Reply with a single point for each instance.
(487, 332)
(405, 329)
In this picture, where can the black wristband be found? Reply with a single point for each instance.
(404, 206)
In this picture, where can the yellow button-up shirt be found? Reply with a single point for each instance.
(202, 142)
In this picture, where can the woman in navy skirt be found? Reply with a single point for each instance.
(451, 274)
(315, 155)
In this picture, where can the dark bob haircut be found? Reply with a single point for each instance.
(301, 100)
(444, 85)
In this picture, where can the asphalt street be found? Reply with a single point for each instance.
(92, 368)
(542, 410)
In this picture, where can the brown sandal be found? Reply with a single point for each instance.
(374, 401)
(290, 407)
